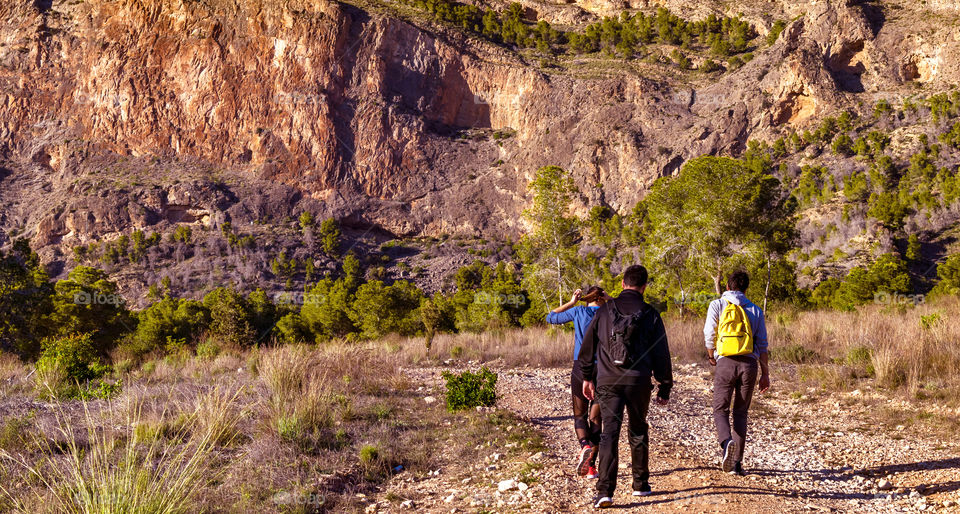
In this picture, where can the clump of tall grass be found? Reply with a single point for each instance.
(127, 470)
(913, 348)
(301, 398)
(539, 346)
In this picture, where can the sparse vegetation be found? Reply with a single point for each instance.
(624, 36)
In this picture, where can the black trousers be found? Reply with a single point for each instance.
(586, 416)
(614, 399)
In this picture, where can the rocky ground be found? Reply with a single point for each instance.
(816, 452)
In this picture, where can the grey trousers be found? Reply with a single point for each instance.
(733, 382)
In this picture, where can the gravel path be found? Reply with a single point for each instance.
(802, 455)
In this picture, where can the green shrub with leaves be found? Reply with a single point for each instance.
(467, 390)
(330, 237)
(291, 329)
(25, 299)
(886, 275)
(913, 248)
(380, 309)
(888, 209)
(168, 318)
(230, 320)
(775, 31)
(74, 356)
(948, 275)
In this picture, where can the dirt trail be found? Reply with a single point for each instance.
(802, 456)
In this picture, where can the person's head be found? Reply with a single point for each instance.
(738, 281)
(594, 296)
(635, 277)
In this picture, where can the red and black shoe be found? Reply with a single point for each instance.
(587, 452)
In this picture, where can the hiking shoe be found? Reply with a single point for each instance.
(738, 470)
(592, 472)
(602, 502)
(729, 455)
(586, 456)
(644, 490)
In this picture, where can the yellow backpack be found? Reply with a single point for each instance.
(734, 334)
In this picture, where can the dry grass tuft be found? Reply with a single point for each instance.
(540, 347)
(125, 470)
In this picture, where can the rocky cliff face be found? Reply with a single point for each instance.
(389, 121)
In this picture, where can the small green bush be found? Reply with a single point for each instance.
(369, 454)
(289, 428)
(929, 321)
(208, 350)
(467, 390)
(103, 391)
(73, 356)
(859, 355)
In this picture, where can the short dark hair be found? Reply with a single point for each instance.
(635, 276)
(738, 281)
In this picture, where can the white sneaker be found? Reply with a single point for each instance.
(604, 502)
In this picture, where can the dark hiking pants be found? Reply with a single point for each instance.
(586, 416)
(614, 399)
(733, 382)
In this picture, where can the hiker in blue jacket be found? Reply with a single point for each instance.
(586, 417)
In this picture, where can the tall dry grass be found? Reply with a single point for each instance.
(127, 469)
(538, 346)
(914, 348)
(541, 347)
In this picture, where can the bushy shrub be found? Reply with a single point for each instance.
(330, 237)
(208, 349)
(467, 390)
(291, 329)
(73, 356)
(183, 234)
(888, 274)
(165, 319)
(913, 248)
(380, 309)
(948, 275)
(87, 302)
(229, 319)
(437, 315)
(775, 31)
(888, 210)
(794, 353)
(25, 299)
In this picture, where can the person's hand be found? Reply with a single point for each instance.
(588, 390)
(713, 361)
(662, 401)
(576, 296)
(764, 383)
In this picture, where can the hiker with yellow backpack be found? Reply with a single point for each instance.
(736, 337)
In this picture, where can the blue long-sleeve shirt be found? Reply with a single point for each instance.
(754, 314)
(581, 317)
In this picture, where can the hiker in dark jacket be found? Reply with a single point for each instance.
(627, 386)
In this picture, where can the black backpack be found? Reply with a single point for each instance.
(621, 345)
